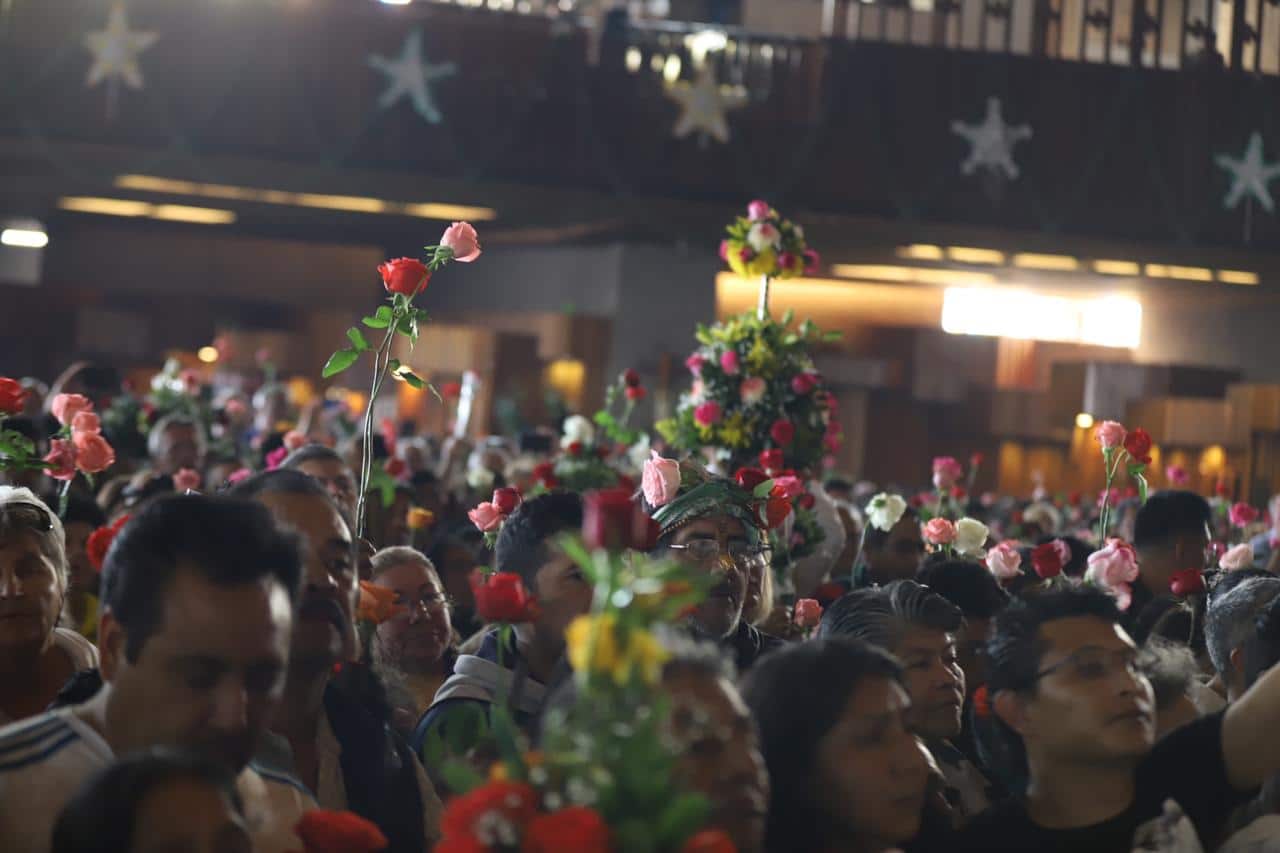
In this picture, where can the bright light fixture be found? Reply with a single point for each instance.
(1053, 263)
(396, 2)
(705, 41)
(324, 201)
(877, 272)
(130, 207)
(921, 252)
(968, 255)
(1111, 321)
(208, 355)
(24, 238)
(1237, 277)
(917, 275)
(1190, 273)
(1105, 267)
(1084, 420)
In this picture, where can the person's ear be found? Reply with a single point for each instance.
(1237, 660)
(111, 643)
(1011, 709)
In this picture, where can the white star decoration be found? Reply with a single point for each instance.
(992, 142)
(115, 50)
(703, 104)
(411, 76)
(1250, 175)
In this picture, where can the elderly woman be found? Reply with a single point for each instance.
(36, 657)
(415, 650)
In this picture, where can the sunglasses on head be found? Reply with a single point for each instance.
(24, 516)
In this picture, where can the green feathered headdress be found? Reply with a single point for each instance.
(703, 494)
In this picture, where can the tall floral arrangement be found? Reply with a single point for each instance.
(404, 279)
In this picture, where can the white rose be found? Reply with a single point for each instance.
(638, 454)
(480, 479)
(971, 537)
(885, 511)
(763, 236)
(577, 429)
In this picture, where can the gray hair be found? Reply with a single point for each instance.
(877, 615)
(397, 555)
(1229, 620)
(173, 420)
(53, 542)
(1170, 667)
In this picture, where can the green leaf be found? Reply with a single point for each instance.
(788, 317)
(381, 318)
(460, 778)
(832, 337)
(762, 490)
(339, 361)
(393, 365)
(399, 302)
(357, 338)
(413, 379)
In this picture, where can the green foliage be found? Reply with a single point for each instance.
(338, 362)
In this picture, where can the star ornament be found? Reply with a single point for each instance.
(410, 76)
(1250, 176)
(991, 142)
(115, 51)
(704, 105)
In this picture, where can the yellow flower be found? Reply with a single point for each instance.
(760, 358)
(733, 431)
(593, 647)
(765, 263)
(420, 519)
(646, 654)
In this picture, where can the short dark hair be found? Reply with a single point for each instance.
(966, 584)
(280, 481)
(522, 544)
(1167, 515)
(82, 510)
(1262, 648)
(226, 541)
(875, 539)
(100, 817)
(310, 453)
(797, 695)
(878, 615)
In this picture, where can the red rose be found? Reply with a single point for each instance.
(808, 501)
(13, 397)
(545, 473)
(959, 493)
(709, 841)
(61, 459)
(575, 449)
(1220, 490)
(829, 592)
(1187, 582)
(976, 460)
(514, 803)
(408, 276)
(502, 597)
(631, 378)
(613, 521)
(603, 451)
(803, 383)
(1138, 445)
(574, 828)
(749, 478)
(636, 394)
(451, 390)
(396, 467)
(99, 542)
(1049, 559)
(776, 509)
(807, 613)
(1074, 498)
(782, 432)
(339, 832)
(506, 500)
(772, 460)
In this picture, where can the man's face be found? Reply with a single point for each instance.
(337, 478)
(900, 557)
(933, 679)
(1092, 705)
(80, 572)
(209, 676)
(719, 614)
(324, 632)
(719, 755)
(179, 448)
(30, 594)
(563, 594)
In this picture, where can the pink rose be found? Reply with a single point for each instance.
(694, 363)
(93, 454)
(758, 210)
(752, 390)
(62, 459)
(697, 391)
(790, 486)
(660, 481)
(294, 439)
(708, 414)
(1242, 515)
(1004, 561)
(235, 408)
(808, 613)
(486, 517)
(65, 407)
(192, 380)
(1177, 475)
(1109, 434)
(86, 422)
(239, 476)
(803, 383)
(276, 457)
(1239, 557)
(724, 250)
(186, 480)
(463, 240)
(946, 471)
(812, 261)
(1112, 569)
(729, 363)
(939, 531)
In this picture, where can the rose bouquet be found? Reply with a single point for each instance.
(762, 243)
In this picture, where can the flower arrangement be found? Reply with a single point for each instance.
(966, 537)
(78, 447)
(1120, 446)
(603, 778)
(763, 243)
(404, 279)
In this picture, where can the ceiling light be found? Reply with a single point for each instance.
(877, 272)
(968, 255)
(24, 238)
(1237, 277)
(921, 252)
(132, 208)
(1117, 267)
(208, 355)
(1055, 263)
(1112, 321)
(1190, 273)
(1084, 420)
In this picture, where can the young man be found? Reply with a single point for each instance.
(920, 628)
(337, 739)
(1170, 533)
(197, 606)
(1066, 692)
(523, 671)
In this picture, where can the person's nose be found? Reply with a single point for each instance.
(230, 706)
(10, 585)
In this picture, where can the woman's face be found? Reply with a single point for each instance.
(415, 640)
(871, 772)
(30, 594)
(188, 815)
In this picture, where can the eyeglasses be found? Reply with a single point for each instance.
(430, 600)
(1092, 663)
(708, 550)
(24, 516)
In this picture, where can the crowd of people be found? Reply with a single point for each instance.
(200, 650)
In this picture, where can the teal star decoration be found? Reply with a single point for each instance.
(1250, 176)
(410, 76)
